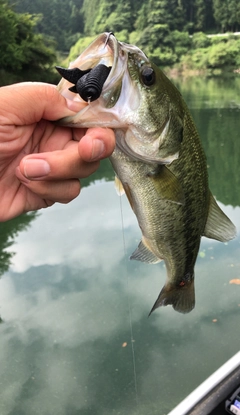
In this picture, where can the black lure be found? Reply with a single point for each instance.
(89, 83)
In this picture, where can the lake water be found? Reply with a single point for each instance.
(75, 337)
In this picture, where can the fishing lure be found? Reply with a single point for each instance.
(88, 83)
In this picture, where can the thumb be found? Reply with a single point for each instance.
(29, 102)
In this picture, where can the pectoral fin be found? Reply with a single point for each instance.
(143, 254)
(119, 187)
(218, 225)
(167, 185)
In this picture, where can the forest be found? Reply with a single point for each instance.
(174, 33)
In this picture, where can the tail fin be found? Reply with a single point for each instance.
(181, 297)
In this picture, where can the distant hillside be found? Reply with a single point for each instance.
(63, 19)
(171, 32)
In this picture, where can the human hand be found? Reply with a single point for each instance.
(41, 162)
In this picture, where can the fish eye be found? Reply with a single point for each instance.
(148, 76)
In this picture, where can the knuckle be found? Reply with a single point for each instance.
(50, 92)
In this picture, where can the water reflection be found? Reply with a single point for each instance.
(215, 106)
(8, 231)
(210, 93)
(220, 131)
(65, 304)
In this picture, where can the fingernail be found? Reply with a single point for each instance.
(35, 168)
(98, 149)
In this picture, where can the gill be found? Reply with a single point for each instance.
(129, 310)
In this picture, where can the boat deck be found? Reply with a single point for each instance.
(210, 397)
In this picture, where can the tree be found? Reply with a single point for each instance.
(120, 18)
(234, 15)
(227, 14)
(8, 231)
(105, 9)
(21, 48)
(60, 20)
(142, 17)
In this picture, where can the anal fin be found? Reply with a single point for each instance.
(143, 254)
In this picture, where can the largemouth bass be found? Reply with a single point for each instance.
(159, 160)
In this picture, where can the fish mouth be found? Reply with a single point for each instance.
(103, 50)
(104, 61)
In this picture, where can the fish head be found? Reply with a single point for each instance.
(134, 97)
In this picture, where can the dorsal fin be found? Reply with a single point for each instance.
(218, 225)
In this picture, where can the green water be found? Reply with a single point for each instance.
(69, 292)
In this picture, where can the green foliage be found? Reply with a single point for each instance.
(200, 40)
(91, 10)
(142, 20)
(121, 18)
(196, 59)
(160, 27)
(219, 55)
(108, 16)
(163, 46)
(8, 231)
(21, 48)
(79, 47)
(123, 35)
(60, 19)
(101, 23)
(227, 14)
(216, 116)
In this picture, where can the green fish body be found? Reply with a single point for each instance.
(159, 161)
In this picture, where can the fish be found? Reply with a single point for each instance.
(159, 160)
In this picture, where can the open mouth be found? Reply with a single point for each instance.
(96, 66)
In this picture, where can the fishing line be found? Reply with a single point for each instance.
(130, 313)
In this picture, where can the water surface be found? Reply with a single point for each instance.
(75, 337)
